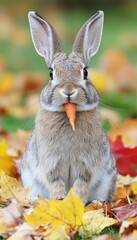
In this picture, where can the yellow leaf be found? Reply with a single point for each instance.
(94, 206)
(95, 221)
(11, 188)
(134, 187)
(6, 161)
(68, 212)
(58, 234)
(6, 83)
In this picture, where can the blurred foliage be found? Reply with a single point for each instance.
(113, 68)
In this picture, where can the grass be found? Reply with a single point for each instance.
(113, 231)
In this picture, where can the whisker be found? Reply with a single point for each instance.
(28, 123)
(114, 108)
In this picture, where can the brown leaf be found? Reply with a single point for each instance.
(125, 212)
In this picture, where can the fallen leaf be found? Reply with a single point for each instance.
(126, 157)
(95, 222)
(6, 161)
(122, 193)
(25, 231)
(58, 234)
(11, 188)
(10, 216)
(125, 212)
(68, 212)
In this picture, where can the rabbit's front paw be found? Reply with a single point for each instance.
(81, 189)
(57, 190)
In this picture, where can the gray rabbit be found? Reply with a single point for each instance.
(56, 157)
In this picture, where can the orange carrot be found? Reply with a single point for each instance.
(70, 109)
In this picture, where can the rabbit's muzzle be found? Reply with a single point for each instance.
(68, 90)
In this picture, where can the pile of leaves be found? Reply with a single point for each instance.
(24, 218)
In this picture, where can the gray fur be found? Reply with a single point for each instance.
(56, 157)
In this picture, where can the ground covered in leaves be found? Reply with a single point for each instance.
(116, 81)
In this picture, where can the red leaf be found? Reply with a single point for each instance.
(125, 212)
(126, 157)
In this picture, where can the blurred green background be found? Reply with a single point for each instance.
(23, 72)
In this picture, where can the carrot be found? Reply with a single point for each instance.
(70, 109)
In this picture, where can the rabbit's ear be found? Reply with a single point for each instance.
(44, 37)
(88, 38)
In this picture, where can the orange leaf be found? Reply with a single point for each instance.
(70, 109)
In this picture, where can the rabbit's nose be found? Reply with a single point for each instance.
(68, 90)
(68, 94)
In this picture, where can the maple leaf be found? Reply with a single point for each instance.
(25, 231)
(95, 221)
(11, 188)
(68, 212)
(58, 234)
(6, 161)
(126, 157)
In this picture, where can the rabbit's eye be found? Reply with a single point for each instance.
(51, 74)
(85, 73)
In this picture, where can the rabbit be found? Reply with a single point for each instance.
(56, 157)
